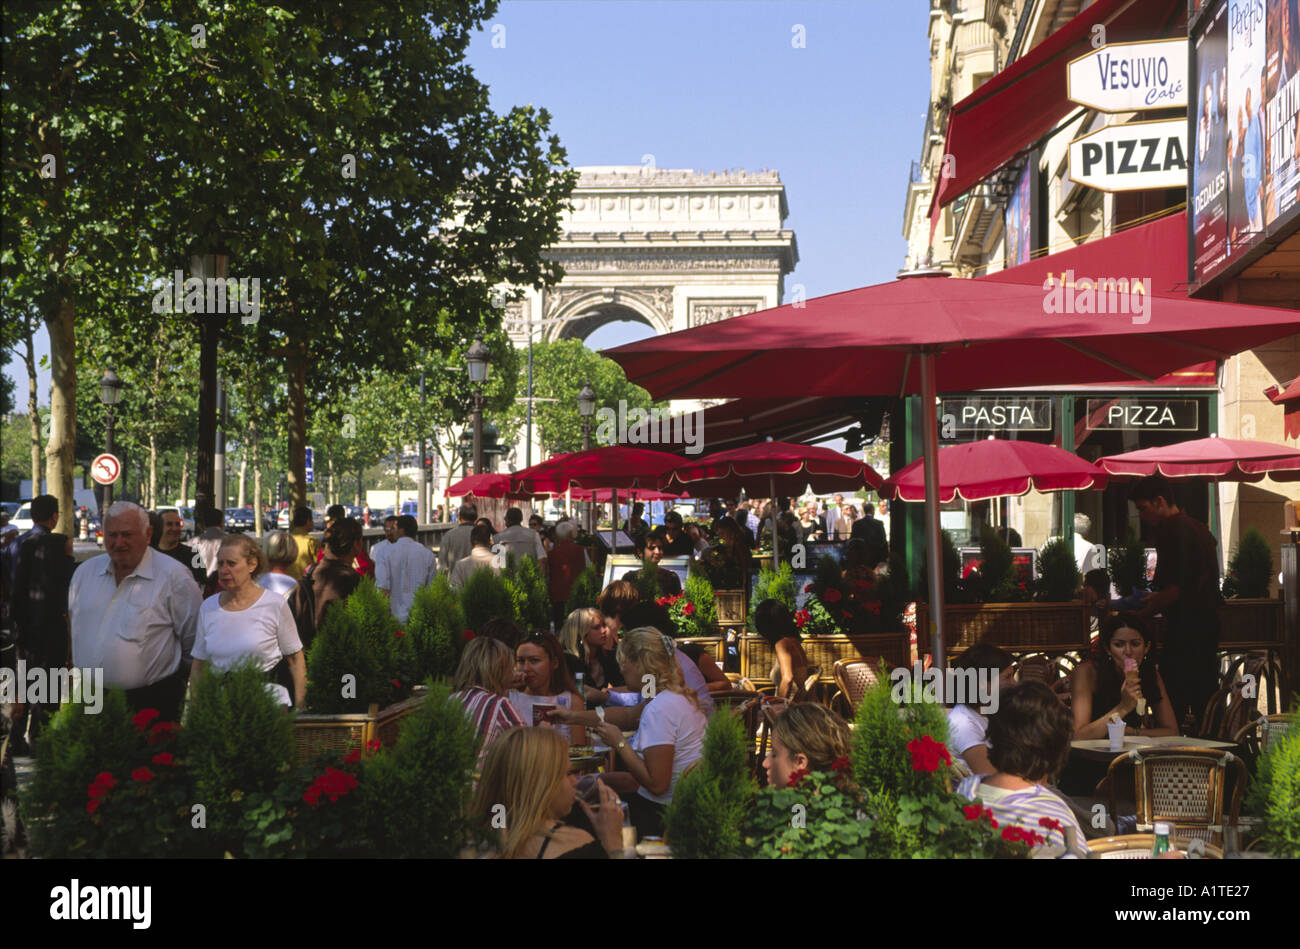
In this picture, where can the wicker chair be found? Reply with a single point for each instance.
(1184, 786)
(852, 678)
(1255, 736)
(1139, 847)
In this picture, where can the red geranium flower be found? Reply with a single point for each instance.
(162, 731)
(373, 744)
(972, 811)
(396, 684)
(92, 805)
(143, 775)
(1051, 825)
(353, 756)
(99, 787)
(467, 635)
(840, 764)
(926, 753)
(400, 633)
(801, 618)
(832, 595)
(688, 609)
(874, 606)
(796, 776)
(332, 784)
(143, 717)
(163, 758)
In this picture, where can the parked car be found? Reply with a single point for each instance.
(187, 518)
(22, 518)
(285, 518)
(240, 519)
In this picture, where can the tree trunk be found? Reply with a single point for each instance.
(257, 477)
(153, 469)
(358, 500)
(297, 474)
(61, 449)
(243, 474)
(185, 480)
(397, 482)
(333, 493)
(33, 414)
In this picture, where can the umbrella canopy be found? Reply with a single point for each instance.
(613, 466)
(778, 469)
(1287, 396)
(1216, 459)
(914, 335)
(487, 486)
(984, 333)
(995, 468)
(774, 469)
(603, 495)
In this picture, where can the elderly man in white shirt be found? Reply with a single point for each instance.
(404, 568)
(133, 613)
(519, 540)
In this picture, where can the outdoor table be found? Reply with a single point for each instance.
(1098, 749)
(584, 764)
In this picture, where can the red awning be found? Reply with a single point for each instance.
(748, 421)
(1288, 397)
(1160, 246)
(1027, 99)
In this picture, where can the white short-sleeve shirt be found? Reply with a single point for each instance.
(265, 630)
(671, 719)
(967, 729)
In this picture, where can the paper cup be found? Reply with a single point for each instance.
(1115, 732)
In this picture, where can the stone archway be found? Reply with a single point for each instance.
(577, 312)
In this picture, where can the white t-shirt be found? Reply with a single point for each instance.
(694, 679)
(671, 719)
(280, 583)
(966, 728)
(265, 630)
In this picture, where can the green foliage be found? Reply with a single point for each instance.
(435, 628)
(769, 585)
(1058, 572)
(359, 639)
(694, 612)
(1274, 795)
(999, 580)
(146, 813)
(237, 741)
(1250, 570)
(707, 815)
(647, 582)
(885, 726)
(485, 597)
(821, 817)
(1127, 565)
(529, 595)
(585, 591)
(413, 796)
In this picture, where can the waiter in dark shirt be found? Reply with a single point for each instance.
(653, 552)
(1187, 593)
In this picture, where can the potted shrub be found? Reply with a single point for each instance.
(1250, 569)
(1058, 572)
(772, 585)
(692, 611)
(529, 597)
(711, 803)
(585, 590)
(1274, 795)
(436, 628)
(485, 597)
(1127, 565)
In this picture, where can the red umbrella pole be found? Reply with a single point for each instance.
(771, 493)
(613, 527)
(934, 542)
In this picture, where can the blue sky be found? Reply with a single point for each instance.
(721, 84)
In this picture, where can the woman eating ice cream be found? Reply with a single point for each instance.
(1121, 680)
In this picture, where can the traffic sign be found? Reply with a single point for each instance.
(1132, 157)
(106, 469)
(311, 467)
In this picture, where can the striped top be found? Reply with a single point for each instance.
(491, 714)
(1025, 807)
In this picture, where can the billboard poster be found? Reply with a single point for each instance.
(1246, 155)
(1209, 179)
(1282, 109)
(1018, 221)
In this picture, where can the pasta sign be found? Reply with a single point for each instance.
(1132, 157)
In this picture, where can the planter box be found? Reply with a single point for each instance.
(314, 735)
(716, 646)
(1251, 624)
(732, 607)
(756, 655)
(1015, 627)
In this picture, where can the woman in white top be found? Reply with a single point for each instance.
(281, 554)
(967, 725)
(670, 737)
(244, 620)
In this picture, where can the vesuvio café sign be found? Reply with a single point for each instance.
(1128, 77)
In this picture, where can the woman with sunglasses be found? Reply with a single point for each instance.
(540, 666)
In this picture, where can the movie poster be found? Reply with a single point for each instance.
(1018, 222)
(1282, 110)
(1246, 154)
(1210, 143)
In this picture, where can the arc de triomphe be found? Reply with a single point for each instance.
(668, 248)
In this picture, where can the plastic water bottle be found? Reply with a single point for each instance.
(582, 695)
(1162, 845)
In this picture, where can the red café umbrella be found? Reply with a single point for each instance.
(914, 335)
(612, 466)
(1215, 459)
(603, 495)
(487, 486)
(995, 468)
(781, 468)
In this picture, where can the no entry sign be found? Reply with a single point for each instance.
(105, 469)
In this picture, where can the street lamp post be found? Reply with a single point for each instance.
(477, 359)
(110, 393)
(586, 408)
